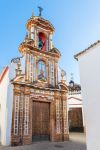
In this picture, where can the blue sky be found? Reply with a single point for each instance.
(77, 25)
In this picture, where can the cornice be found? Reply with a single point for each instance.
(36, 87)
(27, 47)
(41, 22)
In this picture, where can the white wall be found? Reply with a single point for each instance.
(3, 102)
(6, 101)
(89, 65)
(74, 103)
(74, 100)
(12, 68)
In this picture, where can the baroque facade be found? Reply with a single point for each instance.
(38, 103)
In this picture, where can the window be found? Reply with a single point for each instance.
(41, 71)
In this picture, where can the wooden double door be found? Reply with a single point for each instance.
(40, 121)
(75, 120)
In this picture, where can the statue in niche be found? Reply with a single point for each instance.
(40, 43)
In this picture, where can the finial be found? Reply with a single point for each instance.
(40, 11)
(53, 45)
(63, 74)
(26, 35)
(32, 14)
(72, 76)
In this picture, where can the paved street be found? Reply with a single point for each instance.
(77, 142)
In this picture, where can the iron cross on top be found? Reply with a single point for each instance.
(40, 11)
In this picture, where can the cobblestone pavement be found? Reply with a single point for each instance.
(77, 142)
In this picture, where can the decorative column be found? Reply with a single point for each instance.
(21, 115)
(32, 33)
(51, 44)
(16, 114)
(47, 43)
(58, 111)
(17, 118)
(26, 115)
(35, 70)
(52, 121)
(36, 37)
(65, 130)
(58, 124)
(51, 73)
(31, 67)
(27, 123)
(27, 67)
(47, 72)
(56, 73)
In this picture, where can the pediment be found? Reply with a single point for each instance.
(40, 84)
(19, 78)
(63, 86)
(55, 51)
(75, 98)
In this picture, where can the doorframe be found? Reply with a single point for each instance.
(50, 115)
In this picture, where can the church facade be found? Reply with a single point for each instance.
(36, 100)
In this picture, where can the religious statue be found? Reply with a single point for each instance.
(40, 43)
(63, 74)
(40, 11)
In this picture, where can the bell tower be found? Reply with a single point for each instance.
(41, 57)
(41, 31)
(40, 100)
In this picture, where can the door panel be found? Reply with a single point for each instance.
(41, 121)
(75, 119)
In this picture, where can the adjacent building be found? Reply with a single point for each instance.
(75, 108)
(89, 66)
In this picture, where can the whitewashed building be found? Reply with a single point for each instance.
(6, 100)
(89, 66)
